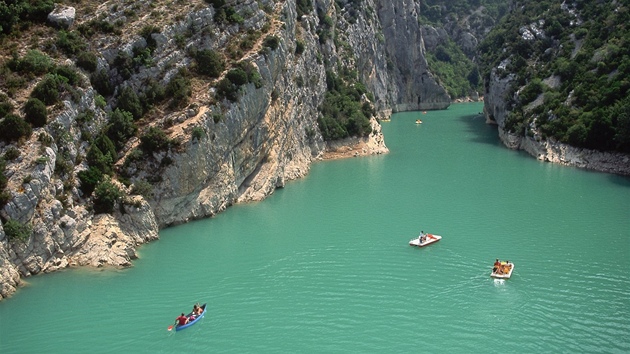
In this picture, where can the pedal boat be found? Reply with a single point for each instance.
(429, 240)
(503, 275)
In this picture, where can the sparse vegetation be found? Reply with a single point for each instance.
(16, 231)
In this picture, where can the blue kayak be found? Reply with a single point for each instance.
(190, 323)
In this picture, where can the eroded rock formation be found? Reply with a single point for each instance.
(246, 149)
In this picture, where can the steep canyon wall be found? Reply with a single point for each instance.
(246, 148)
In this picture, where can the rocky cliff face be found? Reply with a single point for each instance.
(496, 109)
(266, 138)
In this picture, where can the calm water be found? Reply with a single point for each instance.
(324, 264)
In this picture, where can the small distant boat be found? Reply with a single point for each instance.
(418, 121)
(428, 239)
(424, 112)
(504, 271)
(192, 322)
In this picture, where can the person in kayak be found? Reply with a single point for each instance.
(182, 319)
(197, 310)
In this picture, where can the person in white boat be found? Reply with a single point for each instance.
(496, 267)
(422, 237)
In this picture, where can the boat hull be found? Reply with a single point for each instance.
(430, 240)
(179, 328)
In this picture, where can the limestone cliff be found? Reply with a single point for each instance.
(556, 93)
(227, 151)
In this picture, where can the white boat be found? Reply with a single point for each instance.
(502, 272)
(427, 241)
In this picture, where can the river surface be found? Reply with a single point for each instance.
(324, 265)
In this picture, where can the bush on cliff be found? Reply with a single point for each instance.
(179, 88)
(128, 100)
(48, 90)
(34, 63)
(209, 62)
(88, 61)
(35, 112)
(13, 128)
(342, 113)
(106, 195)
(16, 231)
(102, 154)
(4, 195)
(121, 127)
(154, 140)
(89, 179)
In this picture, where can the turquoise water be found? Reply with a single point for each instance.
(324, 264)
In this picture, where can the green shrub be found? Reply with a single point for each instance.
(34, 63)
(226, 89)
(121, 128)
(100, 102)
(102, 154)
(143, 188)
(87, 60)
(271, 42)
(299, 47)
(531, 91)
(124, 63)
(154, 140)
(70, 42)
(209, 62)
(89, 179)
(48, 89)
(253, 75)
(17, 231)
(69, 73)
(11, 154)
(154, 93)
(304, 7)
(342, 113)
(102, 83)
(9, 16)
(233, 16)
(179, 88)
(35, 112)
(197, 133)
(5, 106)
(106, 195)
(128, 100)
(12, 128)
(238, 76)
